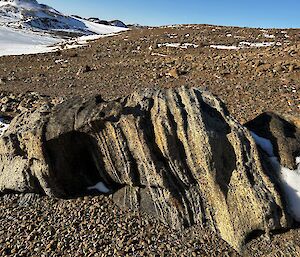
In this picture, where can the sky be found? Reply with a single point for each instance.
(245, 13)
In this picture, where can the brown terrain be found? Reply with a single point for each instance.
(250, 80)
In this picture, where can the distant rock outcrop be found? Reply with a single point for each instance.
(116, 23)
(176, 154)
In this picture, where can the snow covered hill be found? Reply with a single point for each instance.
(29, 27)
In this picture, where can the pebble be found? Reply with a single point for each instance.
(49, 227)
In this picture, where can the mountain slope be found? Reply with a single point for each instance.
(29, 27)
(16, 42)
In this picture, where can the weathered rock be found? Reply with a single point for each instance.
(176, 154)
(284, 134)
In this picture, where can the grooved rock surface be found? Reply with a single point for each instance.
(176, 154)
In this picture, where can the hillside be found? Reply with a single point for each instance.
(30, 27)
(250, 79)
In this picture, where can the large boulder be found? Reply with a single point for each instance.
(176, 154)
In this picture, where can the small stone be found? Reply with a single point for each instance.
(174, 73)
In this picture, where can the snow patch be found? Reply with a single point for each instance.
(290, 179)
(224, 47)
(268, 35)
(80, 41)
(179, 45)
(258, 44)
(264, 143)
(17, 42)
(101, 187)
(3, 126)
(245, 44)
(159, 54)
(100, 28)
(291, 186)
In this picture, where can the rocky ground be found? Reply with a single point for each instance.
(249, 80)
(93, 226)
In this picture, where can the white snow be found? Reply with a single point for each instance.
(20, 3)
(17, 42)
(290, 179)
(101, 187)
(291, 186)
(100, 28)
(3, 126)
(268, 35)
(265, 144)
(24, 29)
(258, 44)
(159, 54)
(245, 44)
(224, 47)
(178, 45)
(80, 41)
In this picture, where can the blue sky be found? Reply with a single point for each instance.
(248, 13)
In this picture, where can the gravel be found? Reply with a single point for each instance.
(33, 225)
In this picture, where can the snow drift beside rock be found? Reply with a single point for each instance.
(289, 179)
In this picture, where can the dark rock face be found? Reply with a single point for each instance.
(176, 154)
(283, 134)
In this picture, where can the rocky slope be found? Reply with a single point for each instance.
(175, 154)
(249, 80)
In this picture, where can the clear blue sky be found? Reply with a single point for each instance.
(248, 13)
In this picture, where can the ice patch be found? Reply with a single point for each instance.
(101, 187)
(290, 179)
